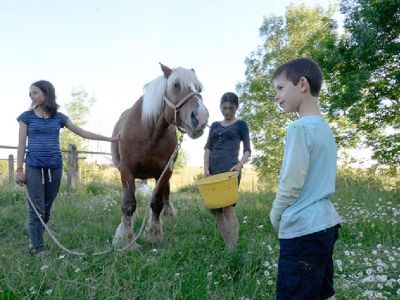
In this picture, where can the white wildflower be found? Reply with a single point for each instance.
(381, 278)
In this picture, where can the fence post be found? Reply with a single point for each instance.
(10, 168)
(72, 168)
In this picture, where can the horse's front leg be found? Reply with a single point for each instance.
(128, 207)
(154, 232)
(168, 207)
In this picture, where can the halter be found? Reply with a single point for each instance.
(177, 107)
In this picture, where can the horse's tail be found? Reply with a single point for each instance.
(115, 149)
(116, 157)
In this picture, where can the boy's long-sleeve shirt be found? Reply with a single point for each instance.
(307, 180)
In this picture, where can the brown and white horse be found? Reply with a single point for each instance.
(148, 138)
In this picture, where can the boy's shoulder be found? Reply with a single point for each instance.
(308, 121)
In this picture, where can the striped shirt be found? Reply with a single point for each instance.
(43, 150)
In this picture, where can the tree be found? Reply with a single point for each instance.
(77, 111)
(364, 84)
(307, 32)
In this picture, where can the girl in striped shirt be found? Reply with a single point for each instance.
(40, 126)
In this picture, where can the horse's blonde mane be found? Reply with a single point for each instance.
(155, 90)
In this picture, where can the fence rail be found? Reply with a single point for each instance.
(72, 164)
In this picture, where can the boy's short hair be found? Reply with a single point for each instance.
(296, 68)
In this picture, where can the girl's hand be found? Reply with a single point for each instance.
(20, 179)
(237, 167)
(115, 138)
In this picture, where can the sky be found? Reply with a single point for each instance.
(112, 48)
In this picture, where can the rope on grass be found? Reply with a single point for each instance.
(169, 165)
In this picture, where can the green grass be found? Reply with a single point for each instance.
(192, 262)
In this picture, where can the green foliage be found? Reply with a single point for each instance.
(192, 263)
(361, 67)
(308, 32)
(77, 110)
(363, 81)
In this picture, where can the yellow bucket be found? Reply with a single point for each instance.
(219, 190)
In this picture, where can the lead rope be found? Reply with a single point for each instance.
(169, 165)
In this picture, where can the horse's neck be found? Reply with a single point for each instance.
(161, 128)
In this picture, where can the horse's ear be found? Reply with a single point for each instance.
(167, 71)
(193, 70)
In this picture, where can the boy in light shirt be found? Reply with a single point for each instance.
(302, 212)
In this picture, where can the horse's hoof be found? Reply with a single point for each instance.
(154, 237)
(169, 211)
(134, 247)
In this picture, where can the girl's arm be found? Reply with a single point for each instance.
(240, 164)
(245, 136)
(89, 135)
(23, 130)
(206, 162)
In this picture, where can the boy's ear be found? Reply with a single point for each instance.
(304, 84)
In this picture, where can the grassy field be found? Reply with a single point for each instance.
(192, 262)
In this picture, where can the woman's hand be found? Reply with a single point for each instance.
(20, 179)
(237, 167)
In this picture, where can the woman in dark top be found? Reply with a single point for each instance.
(221, 154)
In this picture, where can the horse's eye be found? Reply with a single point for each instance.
(177, 85)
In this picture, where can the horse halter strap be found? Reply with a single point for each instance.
(178, 106)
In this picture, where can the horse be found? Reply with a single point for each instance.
(148, 139)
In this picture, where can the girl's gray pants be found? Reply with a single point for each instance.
(42, 185)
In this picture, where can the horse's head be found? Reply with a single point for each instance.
(184, 104)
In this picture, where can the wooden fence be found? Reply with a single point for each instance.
(72, 164)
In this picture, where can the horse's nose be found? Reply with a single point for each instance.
(194, 119)
(201, 115)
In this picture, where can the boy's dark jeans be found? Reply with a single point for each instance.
(42, 189)
(305, 267)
